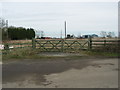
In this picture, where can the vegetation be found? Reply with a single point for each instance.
(105, 34)
(111, 50)
(15, 33)
(29, 53)
(102, 54)
(20, 53)
(18, 33)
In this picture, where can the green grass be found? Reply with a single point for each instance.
(26, 53)
(29, 53)
(102, 54)
(19, 53)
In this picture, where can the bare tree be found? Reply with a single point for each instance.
(103, 34)
(2, 23)
(42, 33)
(4, 28)
(79, 35)
(111, 34)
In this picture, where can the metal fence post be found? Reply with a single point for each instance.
(33, 43)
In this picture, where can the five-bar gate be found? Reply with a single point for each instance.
(61, 44)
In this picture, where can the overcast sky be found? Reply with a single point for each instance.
(81, 17)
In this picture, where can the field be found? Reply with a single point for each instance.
(18, 43)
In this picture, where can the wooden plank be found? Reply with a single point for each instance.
(106, 41)
(103, 44)
(19, 43)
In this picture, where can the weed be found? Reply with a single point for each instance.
(19, 53)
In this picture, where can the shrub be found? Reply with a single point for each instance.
(19, 53)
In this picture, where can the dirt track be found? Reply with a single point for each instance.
(61, 73)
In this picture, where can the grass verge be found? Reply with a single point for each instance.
(102, 54)
(29, 53)
(20, 53)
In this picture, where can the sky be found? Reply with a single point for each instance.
(81, 17)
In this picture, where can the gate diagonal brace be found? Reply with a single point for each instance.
(82, 46)
(43, 46)
(79, 44)
(38, 43)
(55, 45)
(69, 46)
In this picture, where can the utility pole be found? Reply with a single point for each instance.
(61, 34)
(7, 28)
(65, 29)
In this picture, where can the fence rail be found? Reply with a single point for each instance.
(109, 45)
(17, 45)
(63, 44)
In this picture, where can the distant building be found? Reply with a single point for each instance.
(69, 36)
(94, 35)
(87, 36)
(45, 38)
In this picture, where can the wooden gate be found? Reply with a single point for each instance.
(60, 44)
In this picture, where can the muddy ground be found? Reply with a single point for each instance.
(61, 73)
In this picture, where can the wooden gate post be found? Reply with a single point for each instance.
(89, 43)
(104, 42)
(62, 45)
(33, 43)
(6, 46)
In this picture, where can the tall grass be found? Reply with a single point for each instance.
(19, 53)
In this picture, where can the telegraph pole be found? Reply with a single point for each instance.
(65, 29)
(7, 28)
(61, 34)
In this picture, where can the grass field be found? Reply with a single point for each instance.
(28, 53)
